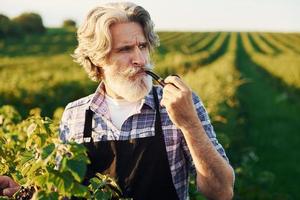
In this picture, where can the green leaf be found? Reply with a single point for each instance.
(80, 190)
(42, 138)
(103, 195)
(106, 180)
(32, 168)
(94, 183)
(63, 181)
(43, 195)
(3, 168)
(77, 148)
(77, 168)
(41, 180)
(25, 157)
(46, 151)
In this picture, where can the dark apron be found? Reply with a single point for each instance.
(140, 166)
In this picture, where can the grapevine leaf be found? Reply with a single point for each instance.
(80, 190)
(25, 157)
(47, 150)
(42, 195)
(77, 168)
(3, 168)
(41, 180)
(94, 183)
(62, 181)
(102, 195)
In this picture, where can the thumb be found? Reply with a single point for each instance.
(10, 191)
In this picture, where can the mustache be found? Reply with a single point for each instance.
(131, 71)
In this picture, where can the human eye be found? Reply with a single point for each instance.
(143, 46)
(125, 49)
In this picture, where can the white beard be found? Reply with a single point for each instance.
(131, 90)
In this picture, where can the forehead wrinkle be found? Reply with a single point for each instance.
(127, 35)
(131, 43)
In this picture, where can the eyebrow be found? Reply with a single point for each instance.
(130, 45)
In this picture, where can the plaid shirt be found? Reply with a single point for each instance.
(138, 125)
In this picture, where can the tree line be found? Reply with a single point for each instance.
(26, 23)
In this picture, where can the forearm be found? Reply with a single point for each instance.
(214, 174)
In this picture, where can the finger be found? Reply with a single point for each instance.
(174, 93)
(175, 75)
(164, 101)
(168, 101)
(171, 95)
(10, 191)
(13, 184)
(176, 81)
(5, 181)
(170, 88)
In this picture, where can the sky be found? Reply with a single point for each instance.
(177, 15)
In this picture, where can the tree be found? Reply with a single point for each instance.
(69, 23)
(5, 25)
(30, 23)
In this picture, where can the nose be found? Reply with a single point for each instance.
(138, 58)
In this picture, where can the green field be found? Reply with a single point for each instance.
(249, 82)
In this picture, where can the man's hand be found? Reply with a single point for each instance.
(8, 187)
(177, 98)
(215, 177)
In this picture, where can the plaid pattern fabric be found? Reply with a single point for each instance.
(138, 125)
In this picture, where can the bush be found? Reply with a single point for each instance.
(69, 23)
(30, 23)
(5, 25)
(45, 167)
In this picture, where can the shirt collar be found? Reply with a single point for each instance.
(98, 104)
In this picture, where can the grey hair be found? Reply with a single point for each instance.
(94, 38)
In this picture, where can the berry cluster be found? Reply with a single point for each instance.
(25, 193)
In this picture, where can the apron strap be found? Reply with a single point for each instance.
(158, 127)
(87, 131)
